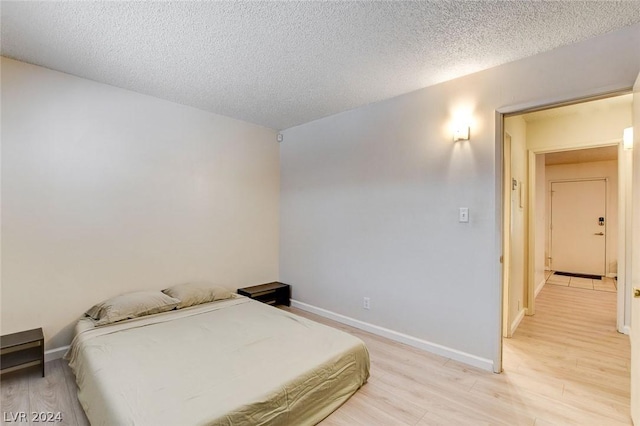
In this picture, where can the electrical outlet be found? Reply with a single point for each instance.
(366, 303)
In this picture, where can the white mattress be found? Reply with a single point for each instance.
(234, 361)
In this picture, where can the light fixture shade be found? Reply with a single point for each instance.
(627, 138)
(461, 133)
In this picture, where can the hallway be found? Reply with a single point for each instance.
(571, 355)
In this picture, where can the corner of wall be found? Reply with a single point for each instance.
(516, 321)
(540, 286)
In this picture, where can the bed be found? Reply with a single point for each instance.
(228, 362)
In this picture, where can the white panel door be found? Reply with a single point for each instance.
(577, 236)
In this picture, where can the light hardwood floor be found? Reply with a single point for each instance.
(566, 365)
(29, 392)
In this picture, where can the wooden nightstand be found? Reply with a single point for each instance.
(274, 293)
(22, 350)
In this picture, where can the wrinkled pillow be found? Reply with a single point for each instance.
(131, 305)
(190, 294)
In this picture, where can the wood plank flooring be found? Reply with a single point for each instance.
(29, 392)
(565, 365)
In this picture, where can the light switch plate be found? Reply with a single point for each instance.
(464, 215)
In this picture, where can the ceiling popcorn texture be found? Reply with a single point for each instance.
(280, 64)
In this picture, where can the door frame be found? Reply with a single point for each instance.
(623, 305)
(606, 206)
(506, 234)
(624, 270)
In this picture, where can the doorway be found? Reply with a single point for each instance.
(578, 133)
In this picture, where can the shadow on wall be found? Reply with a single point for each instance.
(60, 339)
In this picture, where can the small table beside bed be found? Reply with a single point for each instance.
(229, 360)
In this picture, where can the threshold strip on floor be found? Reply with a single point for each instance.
(572, 274)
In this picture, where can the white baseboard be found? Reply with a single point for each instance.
(476, 361)
(539, 287)
(516, 321)
(55, 353)
(612, 275)
(626, 330)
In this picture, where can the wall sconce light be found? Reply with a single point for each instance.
(627, 138)
(461, 132)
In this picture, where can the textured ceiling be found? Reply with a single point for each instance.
(280, 64)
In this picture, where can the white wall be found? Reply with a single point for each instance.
(593, 128)
(596, 169)
(106, 191)
(516, 127)
(370, 197)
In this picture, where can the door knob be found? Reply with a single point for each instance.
(636, 292)
(599, 233)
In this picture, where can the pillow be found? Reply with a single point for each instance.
(191, 294)
(131, 305)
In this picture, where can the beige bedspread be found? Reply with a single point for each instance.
(235, 361)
